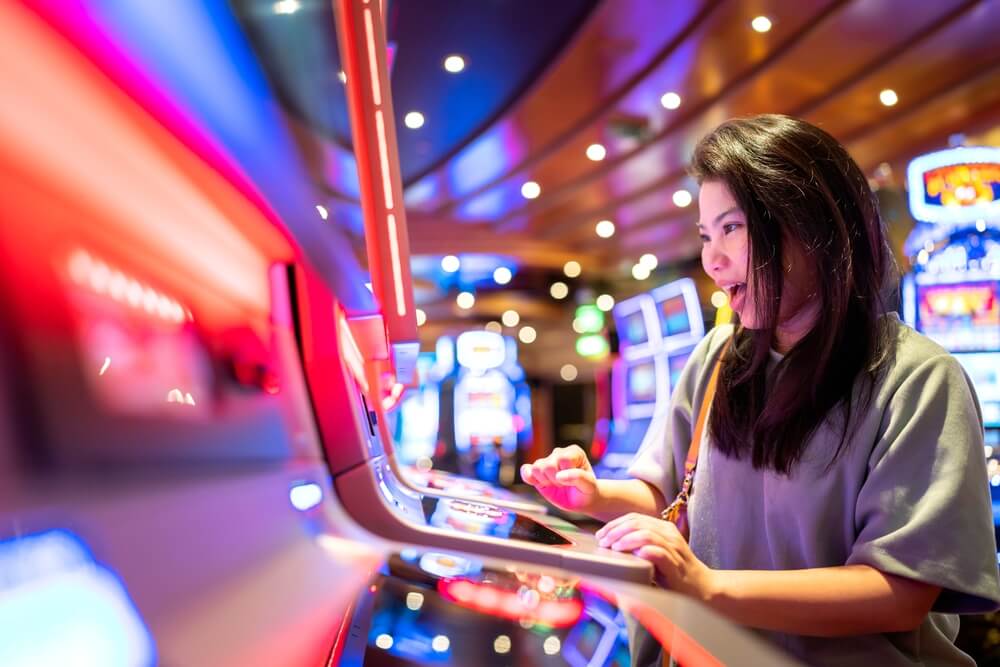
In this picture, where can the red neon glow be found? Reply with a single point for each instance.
(383, 158)
(397, 269)
(489, 599)
(372, 60)
(351, 352)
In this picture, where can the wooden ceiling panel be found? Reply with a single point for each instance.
(955, 49)
(929, 125)
(724, 48)
(668, 157)
(608, 55)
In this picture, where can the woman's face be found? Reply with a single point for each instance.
(725, 255)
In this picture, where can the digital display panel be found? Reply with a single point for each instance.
(983, 369)
(962, 317)
(634, 332)
(640, 383)
(488, 617)
(956, 186)
(674, 318)
(481, 519)
(962, 185)
(675, 364)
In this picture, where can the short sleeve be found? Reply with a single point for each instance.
(664, 448)
(924, 510)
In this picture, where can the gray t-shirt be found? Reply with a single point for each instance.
(908, 497)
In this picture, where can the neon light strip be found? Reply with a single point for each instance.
(397, 268)
(372, 63)
(383, 157)
(352, 354)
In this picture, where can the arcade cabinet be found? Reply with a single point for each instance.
(657, 332)
(953, 292)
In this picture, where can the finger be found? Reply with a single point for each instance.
(637, 539)
(528, 474)
(619, 530)
(582, 480)
(611, 525)
(657, 556)
(546, 470)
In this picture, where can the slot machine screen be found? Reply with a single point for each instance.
(963, 317)
(674, 318)
(641, 383)
(675, 364)
(983, 369)
(634, 332)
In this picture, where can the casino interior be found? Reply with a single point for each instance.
(292, 288)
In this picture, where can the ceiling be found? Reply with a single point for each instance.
(540, 87)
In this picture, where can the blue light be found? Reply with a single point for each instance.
(305, 496)
(59, 607)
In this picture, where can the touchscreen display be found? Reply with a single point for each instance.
(412, 616)
(482, 519)
(641, 383)
(635, 329)
(674, 316)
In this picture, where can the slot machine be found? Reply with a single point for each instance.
(657, 333)
(952, 293)
(166, 495)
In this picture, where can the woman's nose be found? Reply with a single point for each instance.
(713, 259)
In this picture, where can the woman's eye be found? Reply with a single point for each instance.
(703, 237)
(731, 227)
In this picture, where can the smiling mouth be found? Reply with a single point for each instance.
(737, 295)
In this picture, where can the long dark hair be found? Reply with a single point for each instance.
(798, 185)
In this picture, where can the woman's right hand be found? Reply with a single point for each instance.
(565, 478)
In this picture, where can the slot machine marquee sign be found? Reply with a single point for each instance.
(956, 186)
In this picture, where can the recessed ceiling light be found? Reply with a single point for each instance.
(682, 198)
(510, 318)
(414, 120)
(888, 97)
(649, 261)
(465, 300)
(605, 229)
(502, 275)
(568, 372)
(421, 317)
(572, 268)
(605, 302)
(670, 100)
(531, 190)
(286, 6)
(596, 152)
(719, 298)
(559, 290)
(527, 334)
(761, 24)
(450, 263)
(494, 327)
(323, 213)
(454, 63)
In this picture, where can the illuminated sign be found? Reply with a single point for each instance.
(480, 350)
(959, 185)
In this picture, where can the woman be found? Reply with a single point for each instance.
(840, 501)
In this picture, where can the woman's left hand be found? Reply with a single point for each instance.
(660, 543)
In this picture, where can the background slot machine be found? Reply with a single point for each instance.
(952, 293)
(417, 416)
(657, 332)
(485, 432)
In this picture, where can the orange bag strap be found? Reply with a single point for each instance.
(673, 510)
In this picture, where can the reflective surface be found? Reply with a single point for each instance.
(427, 608)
